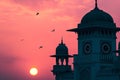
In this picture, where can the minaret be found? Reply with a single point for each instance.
(60, 67)
(96, 42)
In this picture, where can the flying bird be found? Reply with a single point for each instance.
(40, 47)
(22, 40)
(53, 30)
(37, 13)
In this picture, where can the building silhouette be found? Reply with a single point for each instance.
(62, 70)
(96, 58)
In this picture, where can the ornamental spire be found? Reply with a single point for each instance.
(62, 40)
(96, 5)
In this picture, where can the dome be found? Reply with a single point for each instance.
(61, 48)
(62, 51)
(97, 15)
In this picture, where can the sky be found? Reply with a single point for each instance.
(22, 32)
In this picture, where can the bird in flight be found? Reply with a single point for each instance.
(22, 40)
(37, 13)
(53, 30)
(40, 47)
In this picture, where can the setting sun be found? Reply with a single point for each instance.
(33, 71)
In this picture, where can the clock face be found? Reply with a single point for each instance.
(105, 48)
(87, 48)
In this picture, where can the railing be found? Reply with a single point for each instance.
(106, 58)
(93, 58)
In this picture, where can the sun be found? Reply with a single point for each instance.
(33, 71)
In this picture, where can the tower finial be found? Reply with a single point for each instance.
(96, 5)
(62, 40)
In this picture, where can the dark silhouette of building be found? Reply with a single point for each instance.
(96, 58)
(62, 70)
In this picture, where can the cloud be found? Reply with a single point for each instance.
(12, 10)
(19, 16)
(8, 59)
(22, 76)
(8, 32)
(13, 75)
(8, 64)
(6, 55)
(35, 4)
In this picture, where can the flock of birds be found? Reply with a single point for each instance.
(117, 51)
(41, 45)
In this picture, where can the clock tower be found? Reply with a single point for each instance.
(96, 43)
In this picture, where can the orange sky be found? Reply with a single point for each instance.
(22, 32)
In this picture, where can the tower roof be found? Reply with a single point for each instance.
(61, 50)
(97, 15)
(96, 19)
(62, 46)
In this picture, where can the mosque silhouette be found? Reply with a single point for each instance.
(96, 58)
